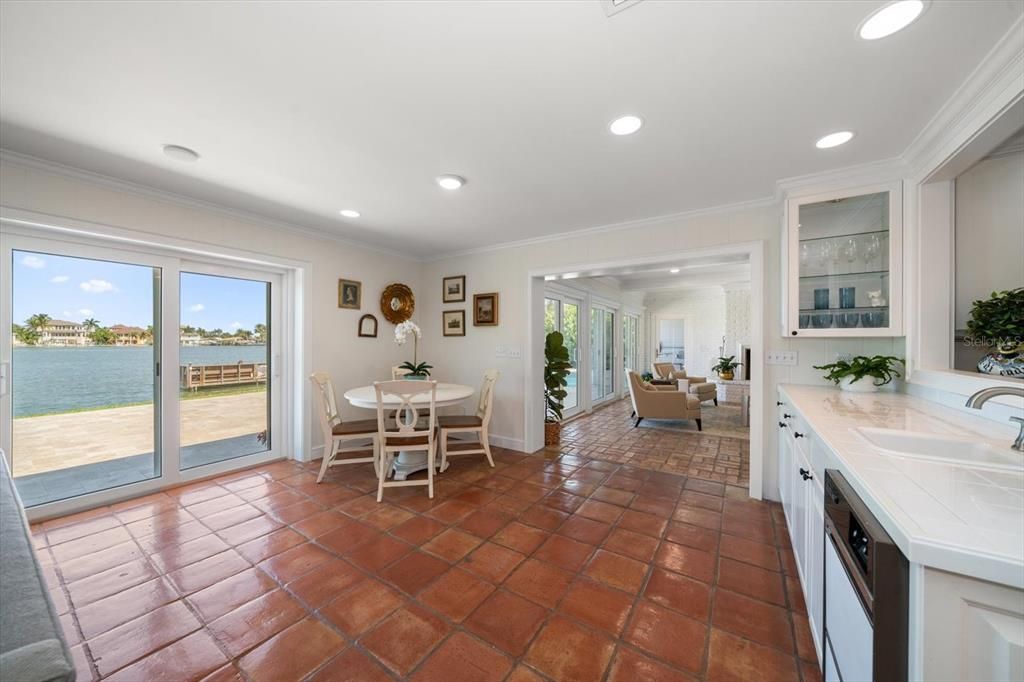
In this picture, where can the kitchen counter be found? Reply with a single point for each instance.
(963, 519)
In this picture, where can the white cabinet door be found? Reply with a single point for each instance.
(843, 255)
(814, 570)
(798, 523)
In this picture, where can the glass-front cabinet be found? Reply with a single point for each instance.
(843, 263)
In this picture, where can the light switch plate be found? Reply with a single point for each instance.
(783, 357)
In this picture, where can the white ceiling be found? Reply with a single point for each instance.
(694, 273)
(301, 109)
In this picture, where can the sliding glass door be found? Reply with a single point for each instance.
(224, 364)
(602, 353)
(126, 368)
(562, 314)
(84, 373)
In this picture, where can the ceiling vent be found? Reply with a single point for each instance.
(615, 6)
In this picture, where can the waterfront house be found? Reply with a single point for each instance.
(560, 341)
(128, 336)
(64, 333)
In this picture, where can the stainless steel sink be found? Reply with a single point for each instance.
(961, 451)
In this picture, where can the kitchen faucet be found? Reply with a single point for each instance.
(983, 396)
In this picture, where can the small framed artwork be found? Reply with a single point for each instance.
(368, 326)
(350, 294)
(453, 289)
(485, 310)
(453, 323)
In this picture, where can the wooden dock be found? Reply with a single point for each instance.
(194, 377)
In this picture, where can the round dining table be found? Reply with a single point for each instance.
(447, 394)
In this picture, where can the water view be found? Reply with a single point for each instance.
(55, 380)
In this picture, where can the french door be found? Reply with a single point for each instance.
(127, 371)
(562, 314)
(602, 353)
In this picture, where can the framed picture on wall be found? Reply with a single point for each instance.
(350, 294)
(453, 289)
(453, 323)
(368, 326)
(485, 310)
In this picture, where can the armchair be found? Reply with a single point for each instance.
(688, 383)
(650, 403)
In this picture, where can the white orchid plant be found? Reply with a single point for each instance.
(402, 333)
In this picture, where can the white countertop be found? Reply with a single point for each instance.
(961, 519)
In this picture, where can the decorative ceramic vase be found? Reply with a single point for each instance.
(416, 377)
(864, 385)
(1006, 361)
(726, 375)
(552, 433)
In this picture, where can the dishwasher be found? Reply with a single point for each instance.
(866, 592)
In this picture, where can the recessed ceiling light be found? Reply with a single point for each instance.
(674, 270)
(449, 181)
(349, 213)
(891, 18)
(179, 153)
(834, 139)
(570, 275)
(625, 125)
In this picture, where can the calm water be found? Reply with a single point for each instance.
(48, 380)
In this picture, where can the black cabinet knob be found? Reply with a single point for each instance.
(782, 425)
(779, 403)
(806, 474)
(787, 416)
(794, 333)
(797, 434)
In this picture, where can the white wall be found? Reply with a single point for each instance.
(703, 315)
(737, 319)
(989, 231)
(351, 361)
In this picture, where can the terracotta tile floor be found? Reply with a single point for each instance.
(674, 447)
(547, 567)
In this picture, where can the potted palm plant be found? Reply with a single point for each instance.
(848, 373)
(725, 366)
(556, 373)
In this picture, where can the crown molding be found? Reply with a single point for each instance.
(751, 204)
(872, 172)
(61, 170)
(993, 86)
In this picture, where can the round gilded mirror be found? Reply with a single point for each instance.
(397, 303)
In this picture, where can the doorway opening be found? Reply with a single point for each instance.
(678, 313)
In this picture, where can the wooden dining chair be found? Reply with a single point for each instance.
(398, 373)
(412, 431)
(337, 432)
(471, 423)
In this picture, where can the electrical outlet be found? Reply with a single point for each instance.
(782, 357)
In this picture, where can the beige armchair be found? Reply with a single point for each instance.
(650, 403)
(694, 385)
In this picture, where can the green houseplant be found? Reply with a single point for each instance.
(725, 366)
(848, 373)
(998, 322)
(556, 373)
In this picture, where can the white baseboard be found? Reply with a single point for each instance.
(516, 444)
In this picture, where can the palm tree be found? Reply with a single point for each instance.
(102, 336)
(25, 335)
(261, 331)
(90, 323)
(38, 321)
